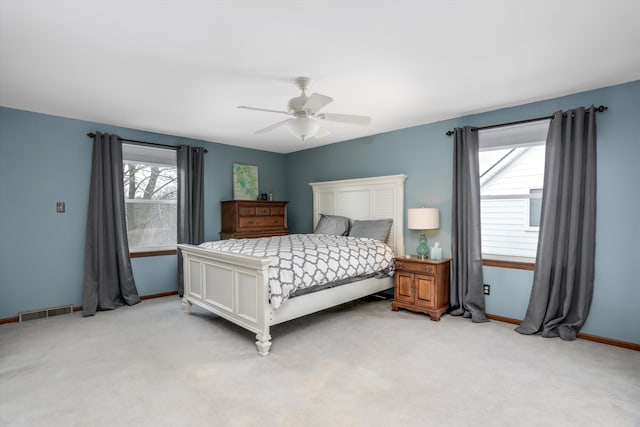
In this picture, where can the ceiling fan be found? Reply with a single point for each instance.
(307, 118)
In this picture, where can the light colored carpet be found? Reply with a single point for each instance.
(356, 365)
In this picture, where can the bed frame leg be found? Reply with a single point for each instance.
(263, 342)
(186, 305)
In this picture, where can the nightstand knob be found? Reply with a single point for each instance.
(400, 265)
(427, 269)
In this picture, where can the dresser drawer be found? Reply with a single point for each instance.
(415, 267)
(258, 211)
(247, 211)
(263, 210)
(261, 221)
(277, 210)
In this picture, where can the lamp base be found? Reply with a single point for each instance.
(423, 248)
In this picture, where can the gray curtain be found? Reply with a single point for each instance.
(563, 278)
(190, 162)
(108, 279)
(466, 274)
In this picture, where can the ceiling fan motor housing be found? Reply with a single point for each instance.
(296, 105)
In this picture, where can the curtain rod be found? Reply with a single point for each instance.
(599, 109)
(155, 144)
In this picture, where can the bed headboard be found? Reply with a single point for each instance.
(377, 197)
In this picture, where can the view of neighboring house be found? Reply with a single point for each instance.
(511, 182)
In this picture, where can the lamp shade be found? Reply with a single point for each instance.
(303, 127)
(423, 218)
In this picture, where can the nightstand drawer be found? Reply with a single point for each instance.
(415, 267)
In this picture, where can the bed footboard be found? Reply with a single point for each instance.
(233, 286)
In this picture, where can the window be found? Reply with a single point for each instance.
(511, 184)
(535, 207)
(150, 191)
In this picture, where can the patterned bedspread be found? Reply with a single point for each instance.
(306, 260)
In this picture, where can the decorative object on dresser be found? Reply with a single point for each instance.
(421, 285)
(245, 182)
(423, 219)
(247, 219)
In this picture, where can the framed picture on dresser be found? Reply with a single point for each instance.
(245, 182)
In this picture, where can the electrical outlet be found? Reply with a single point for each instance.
(60, 207)
(487, 289)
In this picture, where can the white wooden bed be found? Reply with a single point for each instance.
(235, 286)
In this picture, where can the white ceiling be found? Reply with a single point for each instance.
(182, 67)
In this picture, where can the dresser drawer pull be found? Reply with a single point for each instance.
(400, 265)
(250, 222)
(427, 269)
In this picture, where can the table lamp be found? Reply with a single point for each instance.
(423, 219)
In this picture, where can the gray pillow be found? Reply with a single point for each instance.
(332, 224)
(374, 229)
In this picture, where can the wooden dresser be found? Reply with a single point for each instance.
(421, 285)
(246, 219)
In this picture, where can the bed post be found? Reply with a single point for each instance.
(263, 337)
(263, 342)
(186, 304)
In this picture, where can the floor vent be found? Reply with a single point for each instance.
(45, 312)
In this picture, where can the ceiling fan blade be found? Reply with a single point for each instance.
(272, 127)
(345, 118)
(316, 102)
(262, 109)
(322, 132)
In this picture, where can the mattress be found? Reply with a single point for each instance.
(301, 262)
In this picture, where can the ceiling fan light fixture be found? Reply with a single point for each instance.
(303, 127)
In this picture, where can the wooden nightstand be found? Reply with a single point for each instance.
(421, 285)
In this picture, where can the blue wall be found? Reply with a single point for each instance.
(424, 153)
(45, 159)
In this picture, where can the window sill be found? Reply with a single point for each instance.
(519, 263)
(143, 254)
